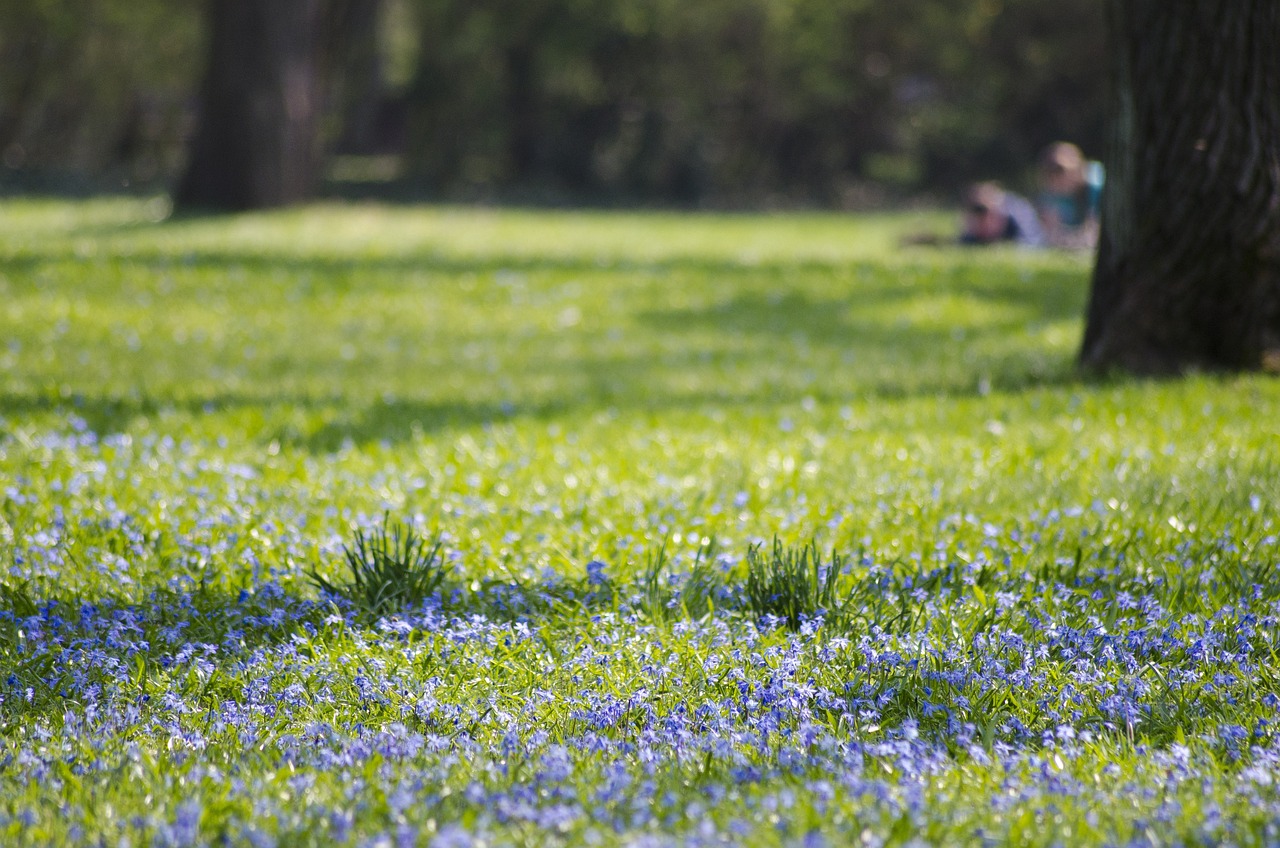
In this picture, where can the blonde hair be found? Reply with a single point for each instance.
(1062, 157)
(986, 195)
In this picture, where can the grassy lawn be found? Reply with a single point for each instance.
(1052, 616)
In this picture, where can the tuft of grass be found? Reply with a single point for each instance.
(657, 595)
(16, 598)
(391, 568)
(702, 585)
(665, 594)
(793, 583)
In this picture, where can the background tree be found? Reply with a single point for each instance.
(94, 88)
(744, 102)
(1188, 268)
(358, 83)
(731, 103)
(257, 144)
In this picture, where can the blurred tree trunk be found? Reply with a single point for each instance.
(1188, 267)
(360, 87)
(23, 57)
(257, 144)
(522, 110)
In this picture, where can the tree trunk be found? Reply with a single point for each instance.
(257, 144)
(356, 65)
(522, 111)
(1188, 268)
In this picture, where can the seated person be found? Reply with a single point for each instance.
(1071, 192)
(993, 216)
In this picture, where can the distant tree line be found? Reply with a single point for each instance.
(736, 100)
(722, 102)
(95, 86)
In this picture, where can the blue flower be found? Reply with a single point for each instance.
(595, 573)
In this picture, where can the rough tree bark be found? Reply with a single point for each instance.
(258, 141)
(1188, 268)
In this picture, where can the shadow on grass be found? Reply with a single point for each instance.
(53, 645)
(1050, 293)
(335, 422)
(739, 352)
(59, 649)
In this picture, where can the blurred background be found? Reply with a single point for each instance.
(710, 103)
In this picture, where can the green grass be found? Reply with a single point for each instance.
(1057, 595)
(388, 569)
(792, 584)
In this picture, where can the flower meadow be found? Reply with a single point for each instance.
(743, 530)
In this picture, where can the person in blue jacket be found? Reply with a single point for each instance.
(1070, 197)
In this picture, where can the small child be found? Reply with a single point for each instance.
(1071, 194)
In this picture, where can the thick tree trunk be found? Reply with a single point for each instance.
(257, 144)
(356, 65)
(1188, 267)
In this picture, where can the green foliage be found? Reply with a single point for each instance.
(16, 597)
(727, 101)
(719, 101)
(657, 596)
(391, 568)
(94, 86)
(793, 583)
(666, 594)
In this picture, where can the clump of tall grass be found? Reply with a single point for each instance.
(794, 583)
(390, 568)
(666, 594)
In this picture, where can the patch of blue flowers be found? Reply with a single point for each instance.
(267, 718)
(981, 692)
